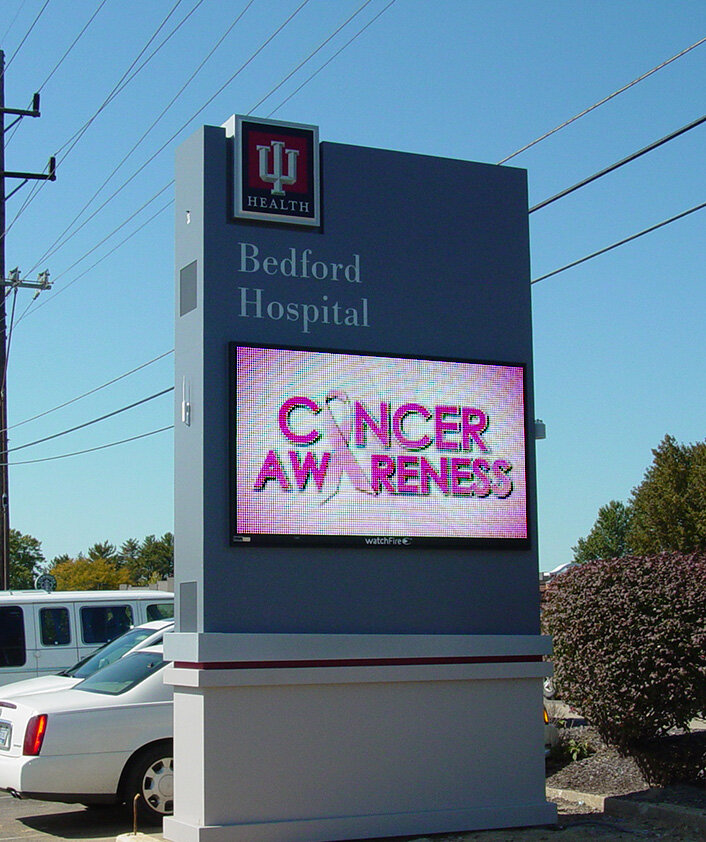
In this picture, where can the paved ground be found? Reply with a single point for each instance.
(42, 821)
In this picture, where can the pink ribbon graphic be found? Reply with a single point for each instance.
(342, 457)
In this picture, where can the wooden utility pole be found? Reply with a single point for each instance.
(12, 282)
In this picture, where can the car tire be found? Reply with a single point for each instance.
(548, 688)
(151, 777)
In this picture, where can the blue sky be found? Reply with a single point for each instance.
(619, 348)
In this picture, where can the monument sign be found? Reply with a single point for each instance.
(357, 650)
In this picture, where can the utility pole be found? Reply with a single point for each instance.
(15, 282)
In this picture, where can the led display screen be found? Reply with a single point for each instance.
(371, 450)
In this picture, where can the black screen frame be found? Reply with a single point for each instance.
(385, 541)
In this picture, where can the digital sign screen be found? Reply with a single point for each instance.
(371, 450)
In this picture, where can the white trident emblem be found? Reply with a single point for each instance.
(277, 177)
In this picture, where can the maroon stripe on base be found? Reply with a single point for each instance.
(357, 662)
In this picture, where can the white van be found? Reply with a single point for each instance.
(138, 637)
(42, 633)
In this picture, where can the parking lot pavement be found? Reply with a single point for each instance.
(42, 821)
(45, 821)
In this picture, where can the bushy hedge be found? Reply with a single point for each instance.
(630, 647)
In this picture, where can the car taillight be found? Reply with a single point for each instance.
(34, 735)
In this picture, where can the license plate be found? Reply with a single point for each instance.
(5, 733)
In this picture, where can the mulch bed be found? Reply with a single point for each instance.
(605, 772)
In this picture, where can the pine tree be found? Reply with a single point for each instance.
(669, 505)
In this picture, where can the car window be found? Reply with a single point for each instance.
(12, 637)
(160, 611)
(101, 623)
(124, 674)
(54, 626)
(109, 653)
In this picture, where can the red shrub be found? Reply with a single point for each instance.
(630, 643)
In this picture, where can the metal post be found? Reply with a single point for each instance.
(41, 283)
(4, 469)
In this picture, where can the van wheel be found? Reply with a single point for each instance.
(151, 776)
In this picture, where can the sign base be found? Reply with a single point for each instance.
(307, 738)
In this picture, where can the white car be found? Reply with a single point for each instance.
(105, 740)
(551, 735)
(147, 634)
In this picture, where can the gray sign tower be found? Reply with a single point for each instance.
(357, 650)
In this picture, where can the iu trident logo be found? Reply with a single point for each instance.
(277, 177)
(276, 171)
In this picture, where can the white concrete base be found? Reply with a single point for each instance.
(307, 753)
(364, 827)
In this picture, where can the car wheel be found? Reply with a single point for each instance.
(548, 688)
(151, 776)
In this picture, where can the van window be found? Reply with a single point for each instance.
(160, 611)
(12, 637)
(101, 623)
(54, 626)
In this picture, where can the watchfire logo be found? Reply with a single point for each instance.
(276, 171)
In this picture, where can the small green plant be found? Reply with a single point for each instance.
(573, 744)
(578, 749)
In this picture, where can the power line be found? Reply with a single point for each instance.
(47, 254)
(9, 341)
(78, 277)
(151, 127)
(27, 34)
(15, 126)
(117, 88)
(125, 80)
(620, 243)
(310, 56)
(163, 429)
(603, 101)
(36, 187)
(619, 164)
(73, 44)
(54, 247)
(15, 281)
(94, 421)
(328, 61)
(12, 22)
(61, 60)
(161, 356)
(94, 390)
(127, 76)
(90, 449)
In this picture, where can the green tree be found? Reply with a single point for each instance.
(608, 537)
(26, 558)
(129, 552)
(104, 550)
(669, 505)
(88, 574)
(155, 560)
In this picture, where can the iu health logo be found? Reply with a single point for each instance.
(276, 170)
